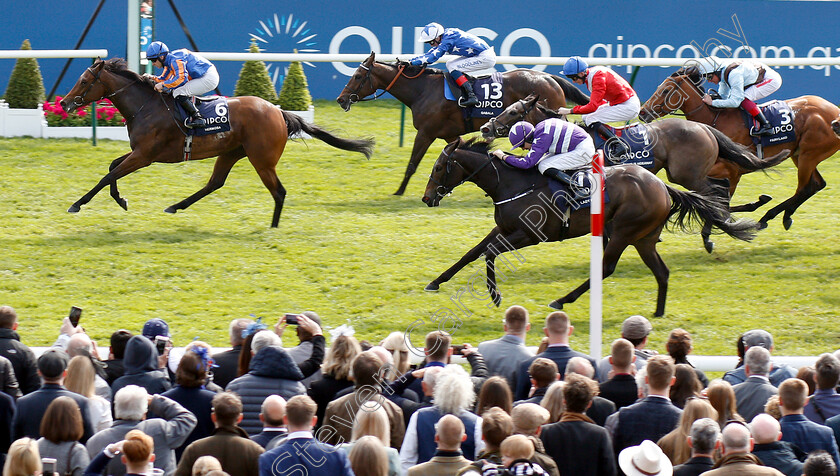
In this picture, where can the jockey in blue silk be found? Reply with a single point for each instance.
(184, 74)
(741, 83)
(475, 55)
(556, 147)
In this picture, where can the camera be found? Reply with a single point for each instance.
(75, 315)
(291, 319)
(457, 350)
(48, 465)
(160, 344)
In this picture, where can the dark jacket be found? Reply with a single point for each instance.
(31, 409)
(272, 372)
(600, 410)
(780, 455)
(114, 370)
(7, 414)
(649, 419)
(8, 381)
(695, 466)
(228, 365)
(199, 402)
(237, 454)
(141, 368)
(741, 464)
(23, 361)
(324, 391)
(560, 355)
(579, 448)
(621, 390)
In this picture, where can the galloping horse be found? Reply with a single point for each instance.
(640, 206)
(259, 130)
(815, 140)
(433, 116)
(686, 150)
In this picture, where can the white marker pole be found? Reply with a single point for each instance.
(596, 256)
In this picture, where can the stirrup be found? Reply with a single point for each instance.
(761, 131)
(468, 101)
(194, 122)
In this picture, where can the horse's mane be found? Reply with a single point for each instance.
(549, 113)
(412, 70)
(691, 72)
(119, 67)
(476, 144)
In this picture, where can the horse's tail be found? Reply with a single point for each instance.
(295, 124)
(570, 90)
(692, 207)
(742, 156)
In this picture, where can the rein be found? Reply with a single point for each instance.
(496, 126)
(442, 190)
(367, 78)
(79, 101)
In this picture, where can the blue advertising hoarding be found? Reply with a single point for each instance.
(648, 28)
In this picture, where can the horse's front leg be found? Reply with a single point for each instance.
(115, 192)
(129, 164)
(468, 258)
(422, 141)
(514, 241)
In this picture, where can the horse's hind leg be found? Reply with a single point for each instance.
(647, 251)
(221, 169)
(115, 192)
(272, 183)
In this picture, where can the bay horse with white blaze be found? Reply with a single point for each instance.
(640, 206)
(435, 117)
(815, 139)
(259, 130)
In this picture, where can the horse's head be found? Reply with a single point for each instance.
(672, 94)
(360, 84)
(445, 176)
(87, 89)
(500, 125)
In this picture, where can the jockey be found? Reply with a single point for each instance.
(558, 148)
(185, 74)
(611, 98)
(475, 55)
(742, 83)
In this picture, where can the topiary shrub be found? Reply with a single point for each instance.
(294, 95)
(26, 86)
(254, 80)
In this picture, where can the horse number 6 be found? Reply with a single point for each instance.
(221, 110)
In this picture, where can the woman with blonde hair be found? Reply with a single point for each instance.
(205, 464)
(23, 459)
(369, 457)
(722, 397)
(395, 344)
(372, 421)
(335, 372)
(553, 401)
(61, 430)
(81, 379)
(675, 443)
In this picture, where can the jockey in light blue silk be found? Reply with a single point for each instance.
(475, 55)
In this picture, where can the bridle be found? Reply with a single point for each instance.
(441, 190)
(505, 128)
(79, 101)
(354, 95)
(661, 106)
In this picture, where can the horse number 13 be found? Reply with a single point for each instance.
(497, 90)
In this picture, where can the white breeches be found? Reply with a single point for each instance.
(485, 60)
(623, 112)
(198, 86)
(578, 158)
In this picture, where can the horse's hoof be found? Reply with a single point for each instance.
(658, 314)
(762, 225)
(556, 305)
(74, 209)
(497, 299)
(787, 222)
(431, 287)
(399, 193)
(762, 199)
(710, 246)
(170, 210)
(123, 203)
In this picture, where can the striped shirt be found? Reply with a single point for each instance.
(551, 137)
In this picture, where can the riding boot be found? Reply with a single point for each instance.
(578, 190)
(615, 146)
(765, 129)
(195, 119)
(470, 99)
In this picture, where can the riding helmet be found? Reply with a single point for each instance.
(430, 32)
(520, 133)
(574, 65)
(157, 49)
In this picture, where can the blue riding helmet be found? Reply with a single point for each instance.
(574, 65)
(520, 133)
(157, 49)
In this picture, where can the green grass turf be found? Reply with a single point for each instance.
(350, 250)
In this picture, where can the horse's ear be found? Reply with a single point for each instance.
(372, 56)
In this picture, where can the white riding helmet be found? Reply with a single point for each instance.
(707, 65)
(430, 32)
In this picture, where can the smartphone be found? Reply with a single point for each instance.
(48, 465)
(291, 319)
(75, 315)
(457, 350)
(160, 344)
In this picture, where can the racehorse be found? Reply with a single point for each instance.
(259, 130)
(815, 140)
(686, 150)
(433, 116)
(640, 205)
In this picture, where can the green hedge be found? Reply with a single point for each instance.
(294, 95)
(254, 80)
(26, 86)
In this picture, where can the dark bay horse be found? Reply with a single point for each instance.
(259, 130)
(433, 116)
(815, 139)
(686, 150)
(640, 206)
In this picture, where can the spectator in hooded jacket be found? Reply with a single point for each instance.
(143, 367)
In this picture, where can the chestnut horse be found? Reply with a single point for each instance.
(435, 117)
(259, 130)
(686, 150)
(639, 208)
(815, 139)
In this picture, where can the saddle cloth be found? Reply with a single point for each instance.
(563, 194)
(780, 116)
(488, 90)
(636, 137)
(214, 110)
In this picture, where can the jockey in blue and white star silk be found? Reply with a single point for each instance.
(475, 55)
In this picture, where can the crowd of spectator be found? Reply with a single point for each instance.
(360, 408)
